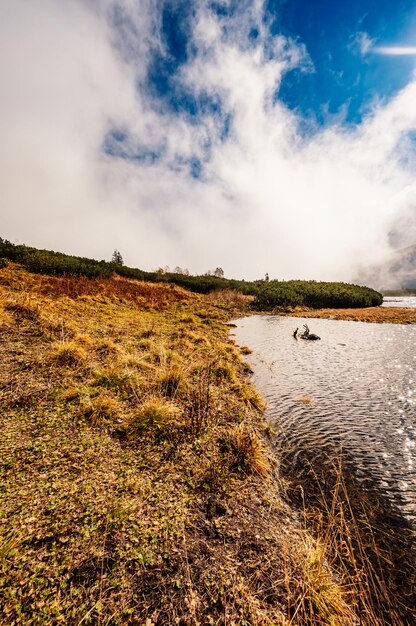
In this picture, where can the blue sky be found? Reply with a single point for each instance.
(256, 135)
(343, 75)
(341, 80)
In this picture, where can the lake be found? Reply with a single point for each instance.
(408, 302)
(351, 393)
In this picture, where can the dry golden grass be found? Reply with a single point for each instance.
(390, 315)
(224, 371)
(137, 486)
(251, 398)
(155, 415)
(245, 350)
(305, 400)
(100, 410)
(360, 539)
(172, 382)
(69, 353)
(249, 451)
(230, 298)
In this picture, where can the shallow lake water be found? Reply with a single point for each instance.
(408, 302)
(351, 393)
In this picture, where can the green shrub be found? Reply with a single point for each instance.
(268, 295)
(315, 295)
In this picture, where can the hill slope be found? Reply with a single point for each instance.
(136, 481)
(266, 294)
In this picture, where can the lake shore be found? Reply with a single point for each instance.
(139, 481)
(378, 315)
(329, 402)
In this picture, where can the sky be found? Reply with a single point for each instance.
(263, 136)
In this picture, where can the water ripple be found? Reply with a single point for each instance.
(355, 391)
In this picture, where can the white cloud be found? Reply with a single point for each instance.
(269, 198)
(396, 50)
(363, 43)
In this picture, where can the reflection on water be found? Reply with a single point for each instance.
(355, 391)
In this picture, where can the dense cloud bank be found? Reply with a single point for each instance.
(112, 139)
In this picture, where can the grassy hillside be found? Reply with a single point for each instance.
(266, 295)
(137, 483)
(137, 479)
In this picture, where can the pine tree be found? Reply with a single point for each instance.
(117, 259)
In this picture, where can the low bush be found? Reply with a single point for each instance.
(315, 295)
(267, 295)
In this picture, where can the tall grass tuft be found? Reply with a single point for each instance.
(156, 415)
(170, 382)
(361, 546)
(199, 409)
(70, 353)
(251, 398)
(100, 410)
(249, 453)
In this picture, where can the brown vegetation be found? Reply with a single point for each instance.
(389, 315)
(366, 541)
(138, 485)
